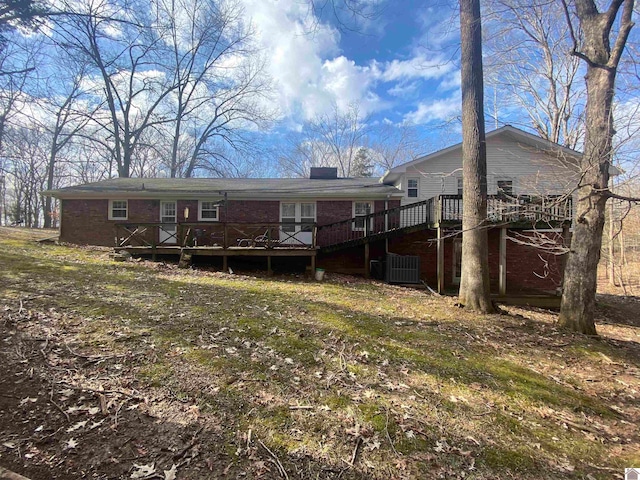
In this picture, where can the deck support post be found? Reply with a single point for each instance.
(313, 264)
(502, 282)
(566, 241)
(440, 260)
(269, 271)
(367, 264)
(386, 225)
(225, 263)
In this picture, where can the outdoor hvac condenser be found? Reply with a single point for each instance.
(403, 269)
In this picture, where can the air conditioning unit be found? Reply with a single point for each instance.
(402, 268)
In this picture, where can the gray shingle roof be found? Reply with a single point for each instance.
(233, 187)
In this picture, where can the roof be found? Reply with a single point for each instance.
(235, 188)
(515, 133)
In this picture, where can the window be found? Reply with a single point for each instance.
(361, 209)
(307, 216)
(207, 211)
(118, 210)
(459, 186)
(505, 187)
(412, 187)
(298, 220)
(288, 214)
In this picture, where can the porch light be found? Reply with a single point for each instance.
(186, 213)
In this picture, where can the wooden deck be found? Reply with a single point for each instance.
(218, 251)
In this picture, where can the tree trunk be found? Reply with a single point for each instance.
(475, 291)
(581, 277)
(611, 264)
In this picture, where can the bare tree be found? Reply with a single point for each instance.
(18, 60)
(124, 56)
(65, 119)
(220, 84)
(600, 44)
(529, 56)
(392, 145)
(331, 139)
(27, 149)
(475, 292)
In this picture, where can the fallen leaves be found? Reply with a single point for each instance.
(143, 471)
(353, 375)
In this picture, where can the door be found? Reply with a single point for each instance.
(168, 233)
(457, 260)
(362, 209)
(303, 216)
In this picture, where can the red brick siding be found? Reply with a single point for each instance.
(350, 260)
(526, 271)
(251, 211)
(531, 270)
(192, 205)
(87, 221)
(422, 244)
(330, 211)
(494, 259)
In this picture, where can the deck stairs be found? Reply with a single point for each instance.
(375, 226)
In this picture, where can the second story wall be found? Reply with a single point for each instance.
(527, 170)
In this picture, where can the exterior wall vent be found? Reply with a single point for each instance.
(324, 173)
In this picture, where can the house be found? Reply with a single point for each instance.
(343, 224)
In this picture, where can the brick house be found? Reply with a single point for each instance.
(343, 224)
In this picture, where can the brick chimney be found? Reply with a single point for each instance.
(324, 173)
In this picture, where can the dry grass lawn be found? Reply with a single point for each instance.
(142, 370)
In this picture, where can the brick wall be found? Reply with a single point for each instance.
(529, 270)
(350, 260)
(330, 211)
(251, 211)
(86, 222)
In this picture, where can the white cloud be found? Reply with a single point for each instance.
(304, 59)
(451, 81)
(403, 89)
(433, 111)
(417, 67)
(296, 48)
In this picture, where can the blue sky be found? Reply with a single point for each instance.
(399, 67)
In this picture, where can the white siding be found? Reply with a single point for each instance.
(533, 172)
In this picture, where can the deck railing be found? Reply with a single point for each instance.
(505, 208)
(443, 208)
(377, 223)
(216, 234)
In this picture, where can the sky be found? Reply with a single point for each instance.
(399, 67)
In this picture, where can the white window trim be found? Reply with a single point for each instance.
(200, 219)
(110, 215)
(297, 229)
(353, 213)
(298, 209)
(417, 189)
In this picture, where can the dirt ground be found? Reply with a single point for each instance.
(104, 380)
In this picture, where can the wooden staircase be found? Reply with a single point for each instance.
(375, 226)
